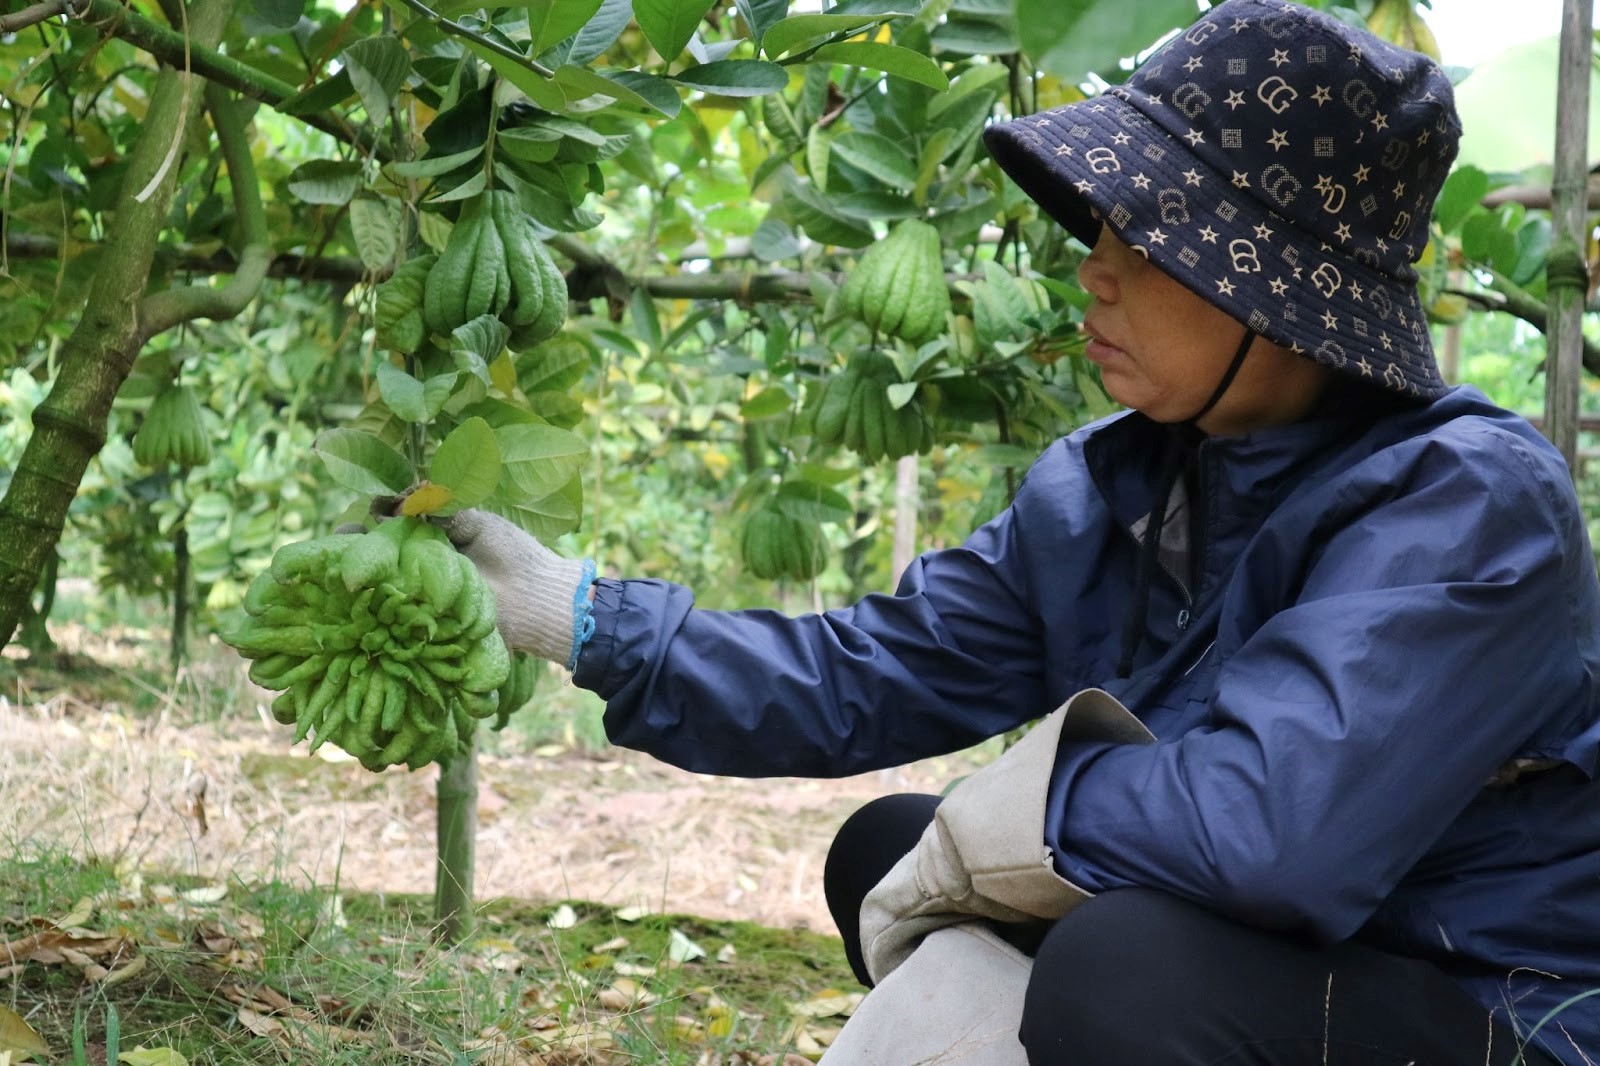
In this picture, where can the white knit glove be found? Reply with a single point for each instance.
(541, 599)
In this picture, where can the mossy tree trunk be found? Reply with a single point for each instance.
(69, 426)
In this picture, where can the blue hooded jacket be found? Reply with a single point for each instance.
(1376, 694)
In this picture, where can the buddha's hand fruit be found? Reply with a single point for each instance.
(173, 430)
(493, 263)
(853, 408)
(382, 642)
(898, 286)
(775, 544)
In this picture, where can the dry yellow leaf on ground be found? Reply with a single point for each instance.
(17, 1038)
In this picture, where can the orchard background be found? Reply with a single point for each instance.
(201, 205)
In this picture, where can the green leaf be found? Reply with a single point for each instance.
(581, 82)
(1462, 191)
(811, 502)
(879, 157)
(275, 16)
(893, 60)
(601, 32)
(902, 393)
(362, 463)
(323, 96)
(376, 227)
(668, 24)
(1070, 38)
(541, 90)
(761, 15)
(546, 518)
(735, 77)
(410, 399)
(433, 166)
(467, 463)
(813, 213)
(796, 30)
(768, 403)
(774, 240)
(1005, 455)
(484, 337)
(325, 181)
(378, 68)
(933, 153)
(986, 76)
(551, 21)
(975, 37)
(538, 460)
(467, 189)
(659, 93)
(554, 366)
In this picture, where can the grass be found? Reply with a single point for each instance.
(103, 955)
(273, 972)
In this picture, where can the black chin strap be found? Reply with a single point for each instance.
(1182, 440)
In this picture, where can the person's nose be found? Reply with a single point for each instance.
(1096, 275)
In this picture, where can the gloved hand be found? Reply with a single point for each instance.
(541, 599)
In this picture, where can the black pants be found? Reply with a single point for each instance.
(1137, 977)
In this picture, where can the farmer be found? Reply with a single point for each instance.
(1322, 630)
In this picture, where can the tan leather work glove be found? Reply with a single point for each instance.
(541, 599)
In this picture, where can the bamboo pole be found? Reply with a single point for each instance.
(1568, 272)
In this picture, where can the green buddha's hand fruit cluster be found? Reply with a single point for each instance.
(173, 430)
(775, 544)
(494, 264)
(382, 642)
(518, 689)
(898, 287)
(853, 409)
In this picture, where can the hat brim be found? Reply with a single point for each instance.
(1211, 233)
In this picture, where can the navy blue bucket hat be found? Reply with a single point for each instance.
(1277, 162)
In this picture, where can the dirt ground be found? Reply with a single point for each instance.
(615, 827)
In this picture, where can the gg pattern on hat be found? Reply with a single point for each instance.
(1277, 162)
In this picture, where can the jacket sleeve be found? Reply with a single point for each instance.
(1433, 633)
(954, 657)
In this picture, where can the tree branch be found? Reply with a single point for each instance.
(1510, 298)
(161, 311)
(114, 20)
(455, 29)
(36, 13)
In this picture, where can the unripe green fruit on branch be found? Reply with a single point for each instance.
(775, 544)
(173, 431)
(382, 642)
(494, 264)
(898, 287)
(852, 408)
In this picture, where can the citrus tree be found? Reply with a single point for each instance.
(625, 268)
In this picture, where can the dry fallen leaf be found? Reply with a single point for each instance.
(828, 1003)
(157, 1056)
(17, 1037)
(82, 914)
(563, 918)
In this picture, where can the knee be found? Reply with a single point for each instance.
(1104, 978)
(877, 834)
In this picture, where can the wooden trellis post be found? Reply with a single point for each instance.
(1568, 270)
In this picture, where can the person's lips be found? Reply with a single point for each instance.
(1098, 350)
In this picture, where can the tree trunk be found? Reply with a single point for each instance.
(457, 800)
(179, 650)
(35, 633)
(69, 427)
(906, 505)
(1568, 272)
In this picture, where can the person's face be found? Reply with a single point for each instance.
(1163, 350)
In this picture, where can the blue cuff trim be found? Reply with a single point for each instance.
(582, 620)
